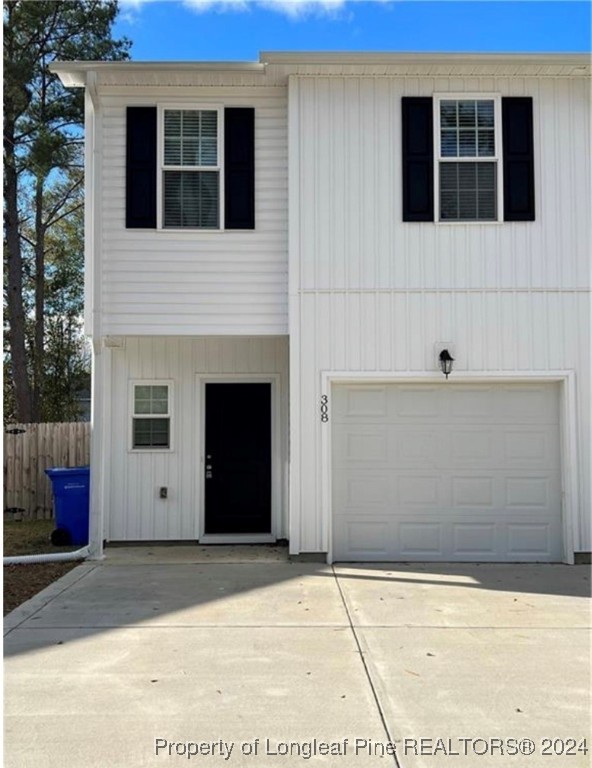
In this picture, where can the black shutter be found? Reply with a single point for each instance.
(239, 168)
(140, 178)
(418, 159)
(518, 155)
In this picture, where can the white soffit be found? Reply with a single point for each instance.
(274, 68)
(432, 64)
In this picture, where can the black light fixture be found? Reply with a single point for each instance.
(446, 361)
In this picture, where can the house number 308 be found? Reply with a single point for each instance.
(324, 408)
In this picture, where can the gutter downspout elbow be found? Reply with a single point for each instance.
(53, 557)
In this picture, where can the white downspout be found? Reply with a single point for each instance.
(92, 257)
(53, 557)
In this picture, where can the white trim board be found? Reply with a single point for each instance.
(568, 434)
(276, 457)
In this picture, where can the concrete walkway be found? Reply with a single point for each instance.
(217, 656)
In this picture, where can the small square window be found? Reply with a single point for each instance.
(151, 421)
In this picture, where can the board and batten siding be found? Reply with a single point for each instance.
(195, 283)
(369, 293)
(134, 510)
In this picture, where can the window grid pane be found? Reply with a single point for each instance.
(467, 128)
(151, 398)
(151, 433)
(468, 191)
(191, 137)
(191, 199)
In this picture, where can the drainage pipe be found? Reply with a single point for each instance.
(53, 557)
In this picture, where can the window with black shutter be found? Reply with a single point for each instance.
(190, 168)
(468, 158)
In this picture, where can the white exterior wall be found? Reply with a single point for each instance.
(133, 510)
(191, 283)
(369, 293)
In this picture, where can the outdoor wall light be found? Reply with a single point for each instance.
(446, 361)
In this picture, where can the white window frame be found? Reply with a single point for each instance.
(133, 415)
(188, 107)
(496, 158)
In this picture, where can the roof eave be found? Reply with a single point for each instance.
(73, 74)
(336, 57)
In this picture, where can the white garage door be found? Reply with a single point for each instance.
(446, 472)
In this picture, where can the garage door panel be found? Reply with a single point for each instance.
(421, 539)
(522, 404)
(364, 489)
(487, 489)
(416, 404)
(475, 540)
(536, 448)
(468, 403)
(425, 539)
(414, 449)
(473, 492)
(528, 540)
(361, 445)
(476, 447)
(364, 402)
(530, 492)
(418, 491)
(369, 539)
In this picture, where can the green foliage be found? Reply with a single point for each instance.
(66, 373)
(67, 355)
(43, 157)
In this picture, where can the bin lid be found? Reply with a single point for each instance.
(67, 471)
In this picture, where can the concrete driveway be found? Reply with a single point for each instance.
(187, 656)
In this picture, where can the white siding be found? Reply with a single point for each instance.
(352, 236)
(371, 293)
(134, 511)
(188, 283)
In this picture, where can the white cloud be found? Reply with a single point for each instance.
(294, 9)
(297, 8)
(221, 6)
(133, 4)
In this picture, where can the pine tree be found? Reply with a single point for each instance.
(43, 160)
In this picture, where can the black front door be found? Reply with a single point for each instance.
(238, 458)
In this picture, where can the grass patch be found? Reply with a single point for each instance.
(31, 537)
(21, 582)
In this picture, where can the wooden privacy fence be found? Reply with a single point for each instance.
(29, 449)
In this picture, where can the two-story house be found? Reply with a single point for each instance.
(282, 258)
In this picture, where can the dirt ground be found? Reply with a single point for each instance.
(23, 581)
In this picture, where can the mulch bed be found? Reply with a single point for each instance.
(21, 582)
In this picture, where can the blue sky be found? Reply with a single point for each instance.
(240, 29)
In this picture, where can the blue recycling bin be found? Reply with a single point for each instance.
(71, 487)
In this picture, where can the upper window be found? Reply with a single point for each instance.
(151, 420)
(468, 159)
(191, 169)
